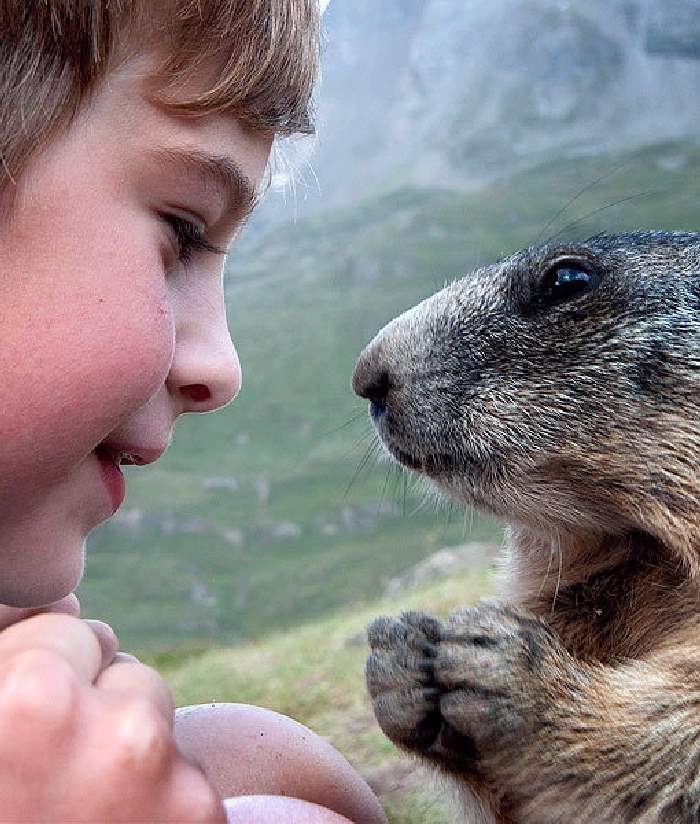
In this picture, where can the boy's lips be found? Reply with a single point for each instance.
(113, 479)
(120, 454)
(111, 456)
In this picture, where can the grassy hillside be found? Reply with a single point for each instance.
(314, 674)
(252, 522)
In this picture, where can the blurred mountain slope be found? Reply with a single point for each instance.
(458, 92)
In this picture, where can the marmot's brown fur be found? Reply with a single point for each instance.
(559, 390)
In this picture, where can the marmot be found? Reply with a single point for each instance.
(559, 390)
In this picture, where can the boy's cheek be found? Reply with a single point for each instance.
(87, 369)
(127, 368)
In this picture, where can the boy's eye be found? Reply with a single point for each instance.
(189, 238)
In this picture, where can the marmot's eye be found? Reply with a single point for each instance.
(566, 280)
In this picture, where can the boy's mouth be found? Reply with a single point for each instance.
(127, 455)
(119, 457)
(112, 476)
(111, 457)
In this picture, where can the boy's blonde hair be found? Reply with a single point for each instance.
(261, 58)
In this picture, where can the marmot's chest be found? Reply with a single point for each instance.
(622, 613)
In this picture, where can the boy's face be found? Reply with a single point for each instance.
(105, 336)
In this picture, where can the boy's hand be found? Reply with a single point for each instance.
(70, 605)
(11, 615)
(81, 742)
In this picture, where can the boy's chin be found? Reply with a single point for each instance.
(31, 587)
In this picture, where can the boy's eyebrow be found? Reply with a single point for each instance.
(217, 171)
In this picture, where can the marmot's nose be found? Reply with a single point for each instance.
(371, 379)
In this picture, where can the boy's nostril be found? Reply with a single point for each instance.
(197, 392)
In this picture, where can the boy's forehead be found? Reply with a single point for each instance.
(215, 145)
(122, 135)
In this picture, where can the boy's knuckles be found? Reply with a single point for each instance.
(193, 798)
(131, 678)
(107, 639)
(139, 739)
(64, 635)
(38, 688)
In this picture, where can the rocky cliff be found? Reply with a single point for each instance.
(457, 92)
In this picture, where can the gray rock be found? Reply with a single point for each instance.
(130, 518)
(442, 564)
(232, 535)
(230, 484)
(201, 596)
(281, 531)
(460, 92)
(673, 29)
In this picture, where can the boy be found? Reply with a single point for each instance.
(133, 138)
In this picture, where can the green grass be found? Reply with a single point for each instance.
(314, 674)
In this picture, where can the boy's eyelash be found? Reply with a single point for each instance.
(189, 238)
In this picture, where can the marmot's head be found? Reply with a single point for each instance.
(559, 388)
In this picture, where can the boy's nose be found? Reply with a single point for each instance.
(205, 375)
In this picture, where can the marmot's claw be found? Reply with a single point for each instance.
(413, 628)
(438, 688)
(399, 674)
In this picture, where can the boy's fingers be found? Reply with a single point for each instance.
(137, 682)
(125, 658)
(269, 809)
(109, 643)
(70, 605)
(11, 615)
(63, 635)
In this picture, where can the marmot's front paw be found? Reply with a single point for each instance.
(406, 697)
(453, 691)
